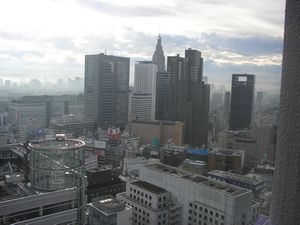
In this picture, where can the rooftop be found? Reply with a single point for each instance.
(60, 143)
(107, 204)
(157, 122)
(201, 180)
(149, 187)
(227, 152)
(254, 180)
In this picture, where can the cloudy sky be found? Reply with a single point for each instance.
(48, 39)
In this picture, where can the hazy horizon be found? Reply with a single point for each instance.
(48, 39)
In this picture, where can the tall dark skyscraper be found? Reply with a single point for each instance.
(226, 107)
(106, 85)
(161, 95)
(188, 96)
(161, 81)
(242, 94)
(158, 56)
(286, 183)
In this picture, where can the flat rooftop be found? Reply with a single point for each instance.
(156, 122)
(227, 152)
(56, 144)
(149, 187)
(201, 180)
(254, 180)
(108, 205)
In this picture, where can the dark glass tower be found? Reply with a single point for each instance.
(242, 93)
(106, 84)
(188, 96)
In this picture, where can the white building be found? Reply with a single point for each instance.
(203, 201)
(151, 204)
(241, 140)
(108, 210)
(144, 94)
(28, 114)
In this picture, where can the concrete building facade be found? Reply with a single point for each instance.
(163, 131)
(108, 210)
(151, 204)
(203, 201)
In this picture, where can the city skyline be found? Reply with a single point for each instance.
(248, 38)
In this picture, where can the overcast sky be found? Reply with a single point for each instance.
(48, 39)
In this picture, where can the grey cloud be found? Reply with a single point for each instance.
(17, 36)
(20, 54)
(121, 10)
(64, 43)
(247, 46)
(267, 76)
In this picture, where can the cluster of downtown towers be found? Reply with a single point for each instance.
(180, 91)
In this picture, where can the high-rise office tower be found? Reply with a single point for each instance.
(106, 89)
(158, 56)
(188, 96)
(226, 108)
(144, 94)
(161, 95)
(242, 94)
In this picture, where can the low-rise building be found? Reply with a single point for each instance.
(203, 201)
(226, 159)
(194, 166)
(109, 211)
(241, 140)
(151, 204)
(163, 131)
(250, 181)
(75, 124)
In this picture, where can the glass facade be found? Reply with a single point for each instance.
(59, 164)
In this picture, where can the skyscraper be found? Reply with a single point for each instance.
(144, 94)
(242, 93)
(158, 56)
(161, 95)
(188, 96)
(286, 185)
(226, 108)
(106, 89)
